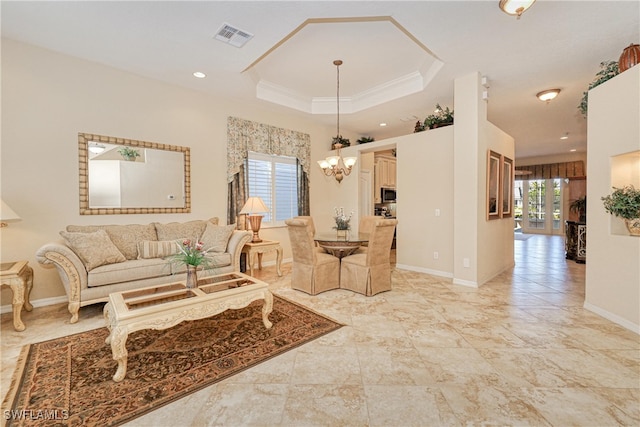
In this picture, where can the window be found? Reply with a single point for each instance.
(275, 180)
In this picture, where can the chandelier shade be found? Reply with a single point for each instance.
(337, 166)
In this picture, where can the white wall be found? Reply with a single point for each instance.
(485, 246)
(495, 237)
(613, 266)
(47, 98)
(425, 183)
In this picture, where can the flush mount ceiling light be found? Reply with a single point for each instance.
(547, 95)
(199, 75)
(336, 165)
(565, 136)
(515, 7)
(96, 148)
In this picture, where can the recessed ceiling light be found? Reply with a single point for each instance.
(383, 124)
(548, 95)
(565, 136)
(199, 75)
(573, 149)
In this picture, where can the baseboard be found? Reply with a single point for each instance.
(425, 270)
(37, 303)
(613, 317)
(468, 283)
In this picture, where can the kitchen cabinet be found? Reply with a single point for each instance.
(385, 175)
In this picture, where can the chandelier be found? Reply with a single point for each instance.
(335, 165)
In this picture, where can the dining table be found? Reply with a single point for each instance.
(340, 244)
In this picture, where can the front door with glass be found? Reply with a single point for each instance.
(538, 206)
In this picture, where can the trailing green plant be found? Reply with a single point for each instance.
(340, 140)
(608, 70)
(623, 202)
(441, 117)
(365, 139)
(128, 152)
(579, 206)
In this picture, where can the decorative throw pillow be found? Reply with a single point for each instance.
(216, 237)
(157, 248)
(93, 249)
(125, 237)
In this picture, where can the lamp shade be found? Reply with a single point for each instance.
(6, 213)
(254, 205)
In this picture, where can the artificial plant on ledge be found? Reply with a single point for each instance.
(340, 140)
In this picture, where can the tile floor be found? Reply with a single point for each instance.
(520, 350)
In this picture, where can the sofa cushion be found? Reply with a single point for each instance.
(182, 230)
(216, 237)
(137, 269)
(94, 249)
(157, 248)
(125, 237)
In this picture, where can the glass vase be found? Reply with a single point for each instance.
(192, 276)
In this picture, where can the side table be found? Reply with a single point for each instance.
(252, 249)
(19, 277)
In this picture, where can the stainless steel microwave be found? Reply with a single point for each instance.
(388, 195)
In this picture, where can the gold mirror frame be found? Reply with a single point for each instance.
(83, 170)
(493, 185)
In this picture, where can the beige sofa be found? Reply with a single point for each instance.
(96, 260)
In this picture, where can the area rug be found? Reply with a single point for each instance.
(68, 381)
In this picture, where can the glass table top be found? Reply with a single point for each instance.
(333, 236)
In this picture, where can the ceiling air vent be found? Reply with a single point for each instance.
(232, 35)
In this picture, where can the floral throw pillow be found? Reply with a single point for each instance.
(94, 249)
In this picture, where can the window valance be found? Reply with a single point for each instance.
(244, 136)
(552, 170)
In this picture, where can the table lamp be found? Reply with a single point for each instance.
(7, 214)
(251, 207)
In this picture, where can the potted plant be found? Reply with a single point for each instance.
(625, 203)
(340, 140)
(579, 206)
(608, 70)
(365, 139)
(441, 117)
(129, 153)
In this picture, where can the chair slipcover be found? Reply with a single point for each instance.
(313, 272)
(369, 273)
(366, 225)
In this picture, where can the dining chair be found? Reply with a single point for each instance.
(312, 228)
(365, 225)
(369, 273)
(313, 271)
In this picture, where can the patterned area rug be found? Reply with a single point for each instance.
(69, 380)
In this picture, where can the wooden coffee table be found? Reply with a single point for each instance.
(164, 306)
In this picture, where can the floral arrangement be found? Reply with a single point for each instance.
(191, 253)
(342, 220)
(128, 152)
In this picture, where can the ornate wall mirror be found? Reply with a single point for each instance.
(125, 176)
